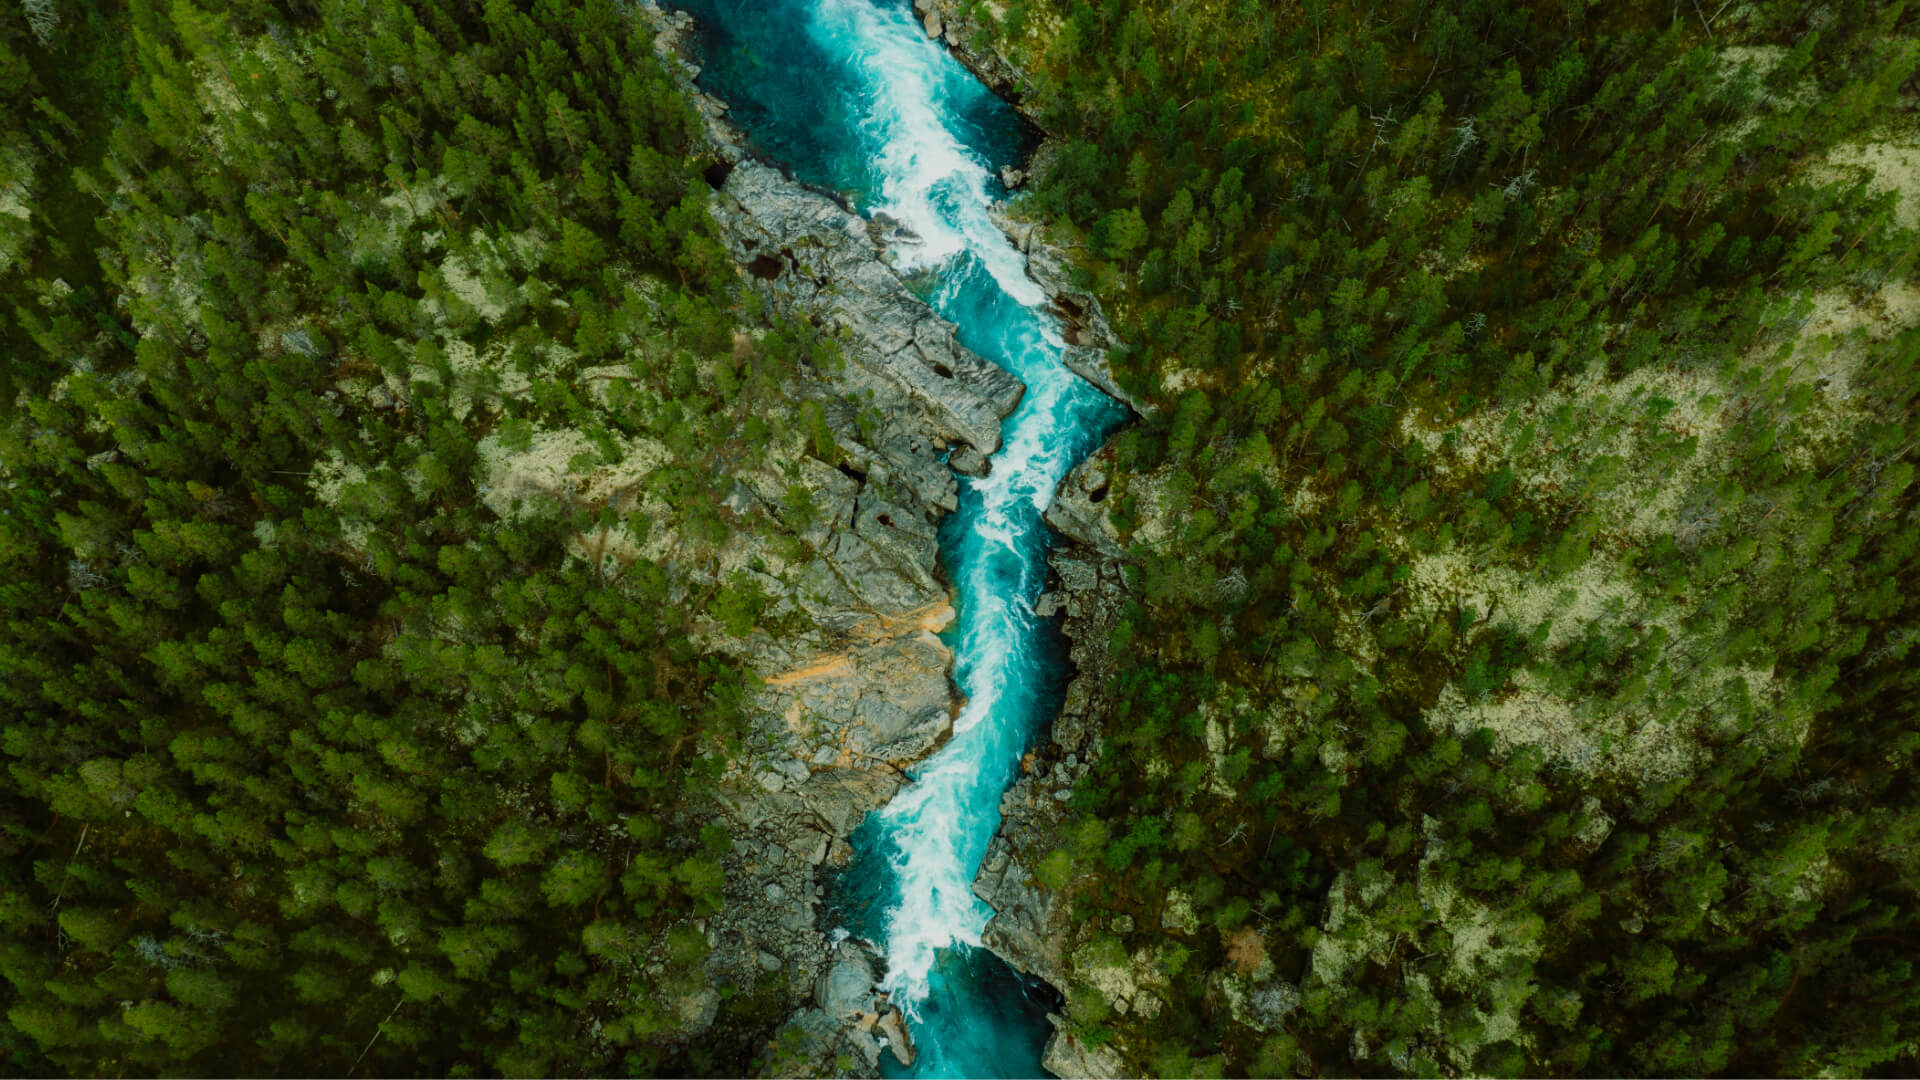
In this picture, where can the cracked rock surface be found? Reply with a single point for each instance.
(812, 257)
(857, 686)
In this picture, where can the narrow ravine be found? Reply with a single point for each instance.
(852, 96)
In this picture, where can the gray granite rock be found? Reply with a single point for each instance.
(969, 461)
(1028, 929)
(846, 989)
(1067, 1057)
(1080, 513)
(867, 691)
(899, 1039)
(809, 255)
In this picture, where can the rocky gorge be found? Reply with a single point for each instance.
(1035, 927)
(850, 704)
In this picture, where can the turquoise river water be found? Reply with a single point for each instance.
(850, 95)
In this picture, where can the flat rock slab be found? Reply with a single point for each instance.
(812, 256)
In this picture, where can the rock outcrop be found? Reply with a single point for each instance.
(1067, 1056)
(857, 685)
(847, 1026)
(1034, 927)
(1082, 322)
(956, 25)
(851, 703)
(1079, 513)
(809, 255)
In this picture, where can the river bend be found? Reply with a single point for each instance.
(852, 96)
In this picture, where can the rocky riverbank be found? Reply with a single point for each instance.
(846, 710)
(1034, 927)
(866, 691)
(955, 25)
(848, 706)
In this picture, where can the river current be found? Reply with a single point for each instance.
(851, 95)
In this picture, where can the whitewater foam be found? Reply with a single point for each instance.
(930, 180)
(853, 96)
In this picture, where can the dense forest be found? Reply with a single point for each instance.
(333, 742)
(1523, 536)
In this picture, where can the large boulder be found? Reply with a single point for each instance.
(1029, 929)
(894, 1026)
(845, 990)
(1079, 509)
(811, 256)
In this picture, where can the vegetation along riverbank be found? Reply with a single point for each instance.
(470, 541)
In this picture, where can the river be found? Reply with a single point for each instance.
(851, 95)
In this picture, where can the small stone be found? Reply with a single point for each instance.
(739, 500)
(796, 771)
(772, 781)
(696, 1011)
(1063, 794)
(768, 961)
(1178, 915)
(933, 24)
(775, 893)
(1011, 176)
(825, 756)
